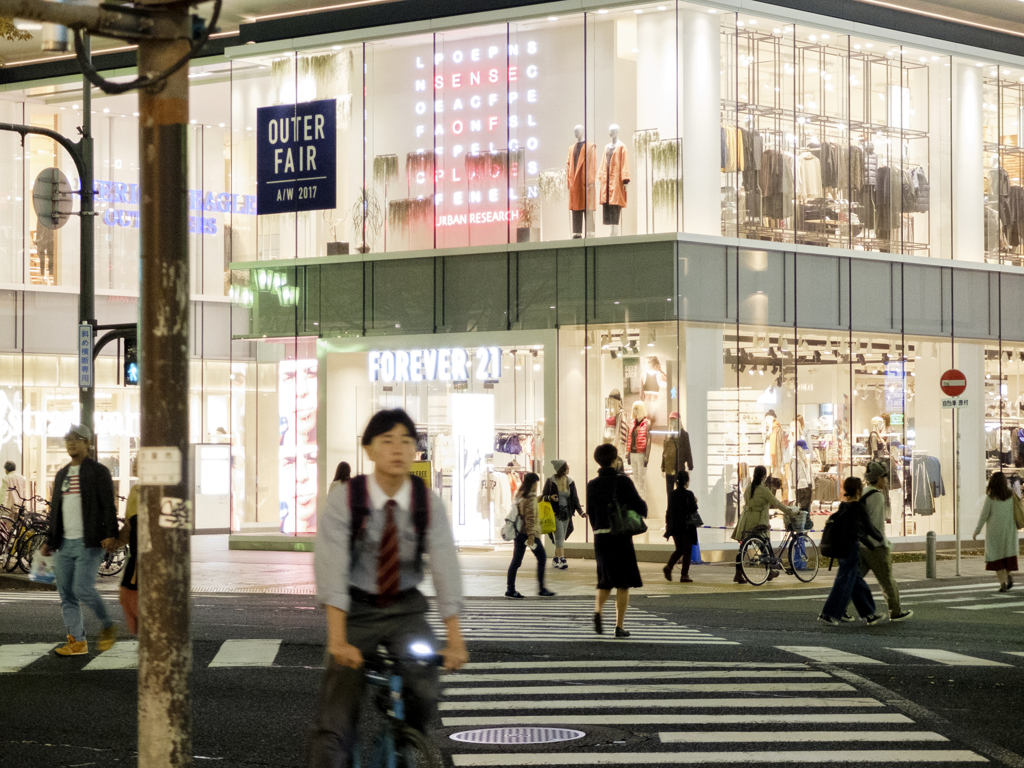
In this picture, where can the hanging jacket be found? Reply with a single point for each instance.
(641, 430)
(870, 165)
(922, 190)
(613, 176)
(582, 172)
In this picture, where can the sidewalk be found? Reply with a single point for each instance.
(215, 568)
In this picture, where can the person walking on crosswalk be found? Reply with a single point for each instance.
(527, 535)
(879, 560)
(1001, 542)
(852, 529)
(616, 558)
(83, 523)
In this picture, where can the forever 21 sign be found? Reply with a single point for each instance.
(296, 157)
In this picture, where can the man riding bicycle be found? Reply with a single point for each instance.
(369, 562)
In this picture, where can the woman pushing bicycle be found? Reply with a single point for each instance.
(758, 500)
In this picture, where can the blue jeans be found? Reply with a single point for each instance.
(75, 566)
(849, 583)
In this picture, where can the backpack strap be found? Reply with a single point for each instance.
(359, 504)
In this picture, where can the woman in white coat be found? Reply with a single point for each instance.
(1001, 544)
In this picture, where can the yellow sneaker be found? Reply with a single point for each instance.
(74, 647)
(108, 637)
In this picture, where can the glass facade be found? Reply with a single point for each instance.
(748, 264)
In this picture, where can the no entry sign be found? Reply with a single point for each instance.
(953, 383)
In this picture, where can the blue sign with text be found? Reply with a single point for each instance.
(296, 157)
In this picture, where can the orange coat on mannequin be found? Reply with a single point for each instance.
(614, 176)
(581, 176)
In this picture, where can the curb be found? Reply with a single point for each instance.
(15, 583)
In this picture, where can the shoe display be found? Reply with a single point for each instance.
(828, 620)
(847, 617)
(598, 627)
(620, 632)
(545, 592)
(513, 595)
(108, 637)
(684, 579)
(74, 647)
(668, 573)
(901, 616)
(874, 618)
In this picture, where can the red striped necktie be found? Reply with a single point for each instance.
(388, 575)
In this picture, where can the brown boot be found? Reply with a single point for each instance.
(108, 637)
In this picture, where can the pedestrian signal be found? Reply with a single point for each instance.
(131, 361)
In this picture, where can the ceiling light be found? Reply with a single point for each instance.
(552, 18)
(602, 11)
(661, 7)
(638, 11)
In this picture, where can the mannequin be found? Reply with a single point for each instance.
(638, 446)
(774, 458)
(878, 448)
(670, 454)
(582, 173)
(613, 179)
(615, 421)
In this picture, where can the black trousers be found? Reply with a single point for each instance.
(518, 552)
(684, 549)
(395, 627)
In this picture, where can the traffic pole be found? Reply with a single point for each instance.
(165, 650)
(87, 239)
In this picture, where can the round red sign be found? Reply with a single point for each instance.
(953, 383)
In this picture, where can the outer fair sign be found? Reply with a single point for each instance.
(296, 157)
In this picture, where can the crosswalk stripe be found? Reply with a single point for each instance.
(605, 638)
(987, 606)
(827, 655)
(1015, 653)
(20, 655)
(676, 674)
(776, 737)
(124, 655)
(593, 690)
(454, 706)
(633, 664)
(949, 657)
(811, 757)
(920, 592)
(589, 718)
(246, 653)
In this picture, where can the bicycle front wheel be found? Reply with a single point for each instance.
(415, 751)
(112, 563)
(29, 547)
(804, 557)
(755, 561)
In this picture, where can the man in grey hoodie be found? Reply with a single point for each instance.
(879, 559)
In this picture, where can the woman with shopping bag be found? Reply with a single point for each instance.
(560, 490)
(528, 534)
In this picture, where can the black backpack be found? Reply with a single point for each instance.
(359, 504)
(840, 534)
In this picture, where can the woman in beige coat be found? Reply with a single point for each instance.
(527, 535)
(1001, 543)
(758, 501)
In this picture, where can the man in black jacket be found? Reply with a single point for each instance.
(83, 522)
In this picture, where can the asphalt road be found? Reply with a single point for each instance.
(733, 679)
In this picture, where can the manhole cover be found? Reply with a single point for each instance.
(517, 735)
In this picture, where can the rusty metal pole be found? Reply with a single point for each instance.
(165, 647)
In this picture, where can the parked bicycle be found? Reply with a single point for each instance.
(22, 538)
(796, 555)
(397, 745)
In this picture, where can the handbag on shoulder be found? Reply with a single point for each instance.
(624, 522)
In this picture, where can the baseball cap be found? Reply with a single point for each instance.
(80, 430)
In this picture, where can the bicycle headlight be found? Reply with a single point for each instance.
(421, 649)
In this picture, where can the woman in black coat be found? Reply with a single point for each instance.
(680, 525)
(616, 558)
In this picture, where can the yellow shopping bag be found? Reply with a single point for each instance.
(546, 517)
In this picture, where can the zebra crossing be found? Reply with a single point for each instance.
(826, 655)
(565, 621)
(955, 596)
(811, 716)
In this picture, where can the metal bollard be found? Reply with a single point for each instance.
(929, 549)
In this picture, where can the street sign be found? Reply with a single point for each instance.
(159, 466)
(296, 157)
(85, 355)
(953, 383)
(51, 198)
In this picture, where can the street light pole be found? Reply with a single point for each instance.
(165, 650)
(87, 243)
